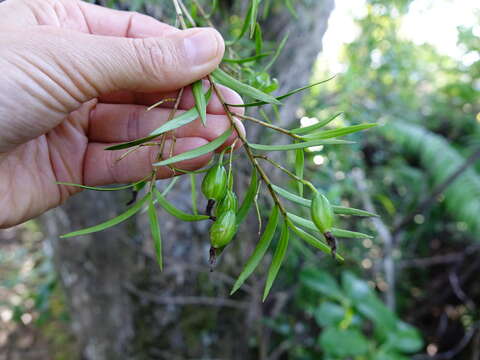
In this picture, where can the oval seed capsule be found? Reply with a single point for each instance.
(223, 230)
(229, 202)
(214, 184)
(322, 216)
(322, 213)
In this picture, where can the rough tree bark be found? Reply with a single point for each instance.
(121, 306)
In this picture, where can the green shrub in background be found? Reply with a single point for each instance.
(350, 320)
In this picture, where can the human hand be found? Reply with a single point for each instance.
(76, 78)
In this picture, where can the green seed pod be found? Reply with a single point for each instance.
(214, 185)
(322, 213)
(229, 202)
(223, 230)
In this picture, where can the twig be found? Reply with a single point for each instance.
(286, 171)
(179, 12)
(188, 300)
(439, 259)
(280, 350)
(204, 14)
(263, 123)
(384, 234)
(428, 202)
(458, 291)
(451, 354)
(187, 14)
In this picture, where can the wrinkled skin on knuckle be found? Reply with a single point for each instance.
(160, 60)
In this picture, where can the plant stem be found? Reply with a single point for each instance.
(159, 156)
(248, 149)
(288, 172)
(203, 13)
(263, 123)
(187, 14)
(179, 12)
(230, 116)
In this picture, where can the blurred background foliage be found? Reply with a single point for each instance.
(412, 291)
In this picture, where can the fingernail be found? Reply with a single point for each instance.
(202, 46)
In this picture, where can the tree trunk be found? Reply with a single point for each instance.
(121, 305)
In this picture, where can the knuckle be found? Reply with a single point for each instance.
(111, 165)
(132, 130)
(159, 59)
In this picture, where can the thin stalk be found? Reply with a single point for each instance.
(286, 171)
(187, 14)
(160, 103)
(270, 126)
(179, 12)
(159, 156)
(203, 13)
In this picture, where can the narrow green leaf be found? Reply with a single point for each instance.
(300, 145)
(313, 241)
(277, 260)
(200, 101)
(336, 232)
(299, 168)
(303, 222)
(293, 92)
(248, 59)
(290, 8)
(277, 53)
(259, 251)
(201, 150)
(266, 9)
(129, 186)
(249, 198)
(155, 229)
(223, 78)
(340, 210)
(193, 183)
(170, 186)
(338, 132)
(112, 222)
(213, 8)
(246, 23)
(349, 234)
(320, 124)
(258, 39)
(179, 121)
(174, 211)
(291, 196)
(139, 185)
(253, 16)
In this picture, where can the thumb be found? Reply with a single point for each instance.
(55, 71)
(152, 64)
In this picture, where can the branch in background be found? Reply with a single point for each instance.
(439, 259)
(429, 201)
(458, 291)
(451, 354)
(384, 234)
(187, 300)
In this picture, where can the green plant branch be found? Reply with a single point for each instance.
(248, 149)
